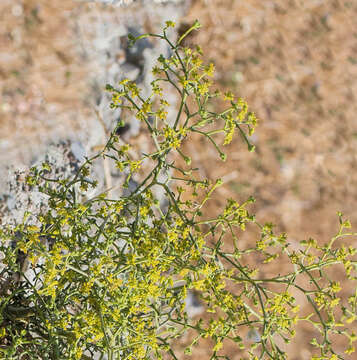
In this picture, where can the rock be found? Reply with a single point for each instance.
(78, 151)
(132, 186)
(193, 306)
(135, 53)
(254, 335)
(130, 71)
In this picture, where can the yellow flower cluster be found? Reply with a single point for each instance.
(112, 275)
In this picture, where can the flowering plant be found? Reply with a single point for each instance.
(108, 278)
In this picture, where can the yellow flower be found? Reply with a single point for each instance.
(228, 96)
(196, 61)
(184, 82)
(144, 211)
(157, 89)
(156, 71)
(218, 345)
(161, 114)
(350, 350)
(203, 87)
(124, 81)
(135, 165)
(209, 70)
(199, 284)
(146, 107)
(170, 24)
(78, 353)
(335, 287)
(163, 102)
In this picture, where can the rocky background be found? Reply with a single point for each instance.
(295, 62)
(56, 60)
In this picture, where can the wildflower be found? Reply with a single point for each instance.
(156, 70)
(161, 114)
(170, 24)
(146, 107)
(218, 345)
(157, 89)
(228, 96)
(335, 287)
(203, 87)
(144, 211)
(209, 70)
(196, 61)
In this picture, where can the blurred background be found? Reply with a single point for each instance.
(295, 62)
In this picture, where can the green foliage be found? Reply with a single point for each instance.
(110, 276)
